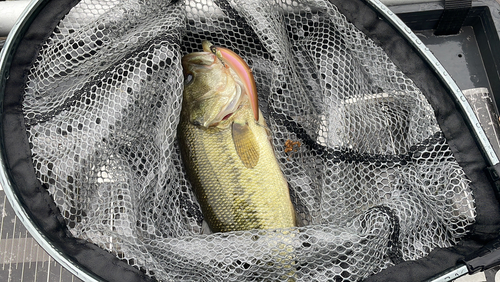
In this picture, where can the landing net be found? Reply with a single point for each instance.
(370, 173)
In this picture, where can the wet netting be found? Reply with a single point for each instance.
(372, 176)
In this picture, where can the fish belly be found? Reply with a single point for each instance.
(232, 196)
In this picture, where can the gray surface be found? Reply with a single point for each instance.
(21, 258)
(460, 55)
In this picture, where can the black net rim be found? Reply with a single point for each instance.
(44, 214)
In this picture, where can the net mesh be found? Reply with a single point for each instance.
(371, 176)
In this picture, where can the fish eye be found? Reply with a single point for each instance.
(188, 79)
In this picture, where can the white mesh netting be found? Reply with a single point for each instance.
(372, 180)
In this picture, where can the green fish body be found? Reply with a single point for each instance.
(227, 154)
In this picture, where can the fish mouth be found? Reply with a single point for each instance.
(229, 59)
(242, 70)
(229, 109)
(226, 112)
(197, 60)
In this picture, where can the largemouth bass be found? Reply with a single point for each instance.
(226, 148)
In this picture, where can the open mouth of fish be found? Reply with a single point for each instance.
(237, 100)
(232, 107)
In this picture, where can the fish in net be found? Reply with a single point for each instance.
(370, 173)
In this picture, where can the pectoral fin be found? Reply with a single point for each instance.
(245, 144)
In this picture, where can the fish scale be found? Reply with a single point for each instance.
(230, 163)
